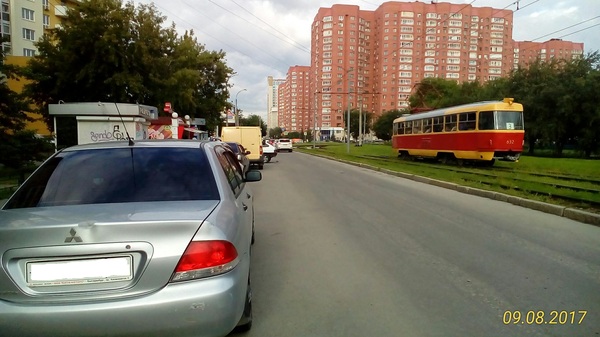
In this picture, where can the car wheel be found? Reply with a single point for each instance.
(260, 166)
(268, 159)
(245, 322)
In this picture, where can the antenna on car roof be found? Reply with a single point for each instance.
(124, 126)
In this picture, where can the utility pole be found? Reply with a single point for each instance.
(237, 115)
(348, 118)
(315, 123)
(360, 120)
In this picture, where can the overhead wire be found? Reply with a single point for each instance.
(289, 40)
(282, 62)
(577, 31)
(577, 24)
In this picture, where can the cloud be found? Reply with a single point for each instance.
(265, 37)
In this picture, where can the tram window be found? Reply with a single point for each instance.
(408, 129)
(486, 120)
(417, 127)
(399, 128)
(467, 121)
(450, 123)
(509, 120)
(438, 124)
(427, 125)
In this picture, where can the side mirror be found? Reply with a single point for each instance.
(253, 175)
(247, 152)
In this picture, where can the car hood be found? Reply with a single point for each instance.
(151, 235)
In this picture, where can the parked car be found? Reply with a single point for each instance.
(284, 144)
(269, 151)
(241, 154)
(112, 239)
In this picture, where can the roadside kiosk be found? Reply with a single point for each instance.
(93, 122)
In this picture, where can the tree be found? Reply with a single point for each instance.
(580, 80)
(383, 126)
(19, 147)
(354, 117)
(275, 132)
(254, 120)
(109, 51)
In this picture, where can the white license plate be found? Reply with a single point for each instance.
(75, 272)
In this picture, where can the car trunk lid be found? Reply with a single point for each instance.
(90, 252)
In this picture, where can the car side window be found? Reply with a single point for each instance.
(231, 168)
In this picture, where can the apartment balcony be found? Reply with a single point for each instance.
(61, 11)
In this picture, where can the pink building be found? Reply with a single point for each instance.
(373, 60)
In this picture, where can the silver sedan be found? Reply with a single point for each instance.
(113, 239)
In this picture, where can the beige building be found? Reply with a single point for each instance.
(374, 59)
(24, 22)
(272, 101)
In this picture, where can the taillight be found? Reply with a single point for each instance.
(206, 258)
(261, 149)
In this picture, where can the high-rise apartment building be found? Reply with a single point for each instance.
(294, 104)
(373, 60)
(526, 51)
(24, 22)
(272, 101)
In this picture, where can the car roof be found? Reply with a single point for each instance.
(178, 143)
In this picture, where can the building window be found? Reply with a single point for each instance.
(46, 21)
(27, 14)
(28, 52)
(29, 34)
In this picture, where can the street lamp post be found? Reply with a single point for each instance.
(237, 115)
(315, 124)
(348, 118)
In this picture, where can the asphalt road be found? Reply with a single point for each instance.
(345, 251)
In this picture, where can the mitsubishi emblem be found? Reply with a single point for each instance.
(73, 237)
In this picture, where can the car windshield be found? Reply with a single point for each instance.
(119, 175)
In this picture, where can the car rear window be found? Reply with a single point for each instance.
(284, 140)
(119, 175)
(234, 147)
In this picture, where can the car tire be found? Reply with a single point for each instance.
(260, 166)
(245, 323)
(268, 160)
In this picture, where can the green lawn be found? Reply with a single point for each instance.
(520, 178)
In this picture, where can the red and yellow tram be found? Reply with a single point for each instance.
(477, 132)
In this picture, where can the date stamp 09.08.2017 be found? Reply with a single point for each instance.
(541, 317)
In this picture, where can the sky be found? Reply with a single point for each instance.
(264, 38)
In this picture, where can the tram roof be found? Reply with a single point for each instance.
(443, 111)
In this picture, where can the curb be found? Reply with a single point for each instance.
(566, 212)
